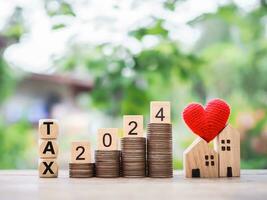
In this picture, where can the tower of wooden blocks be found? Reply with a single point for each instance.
(48, 148)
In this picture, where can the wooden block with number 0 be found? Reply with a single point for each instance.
(107, 139)
(80, 152)
(160, 112)
(133, 125)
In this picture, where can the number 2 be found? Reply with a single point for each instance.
(134, 127)
(79, 156)
(160, 114)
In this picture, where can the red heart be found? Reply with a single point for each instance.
(207, 122)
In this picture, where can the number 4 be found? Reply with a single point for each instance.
(160, 114)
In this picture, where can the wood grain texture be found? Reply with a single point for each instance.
(133, 125)
(155, 107)
(107, 139)
(48, 128)
(227, 144)
(200, 157)
(25, 185)
(80, 152)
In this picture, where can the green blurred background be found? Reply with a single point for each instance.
(89, 62)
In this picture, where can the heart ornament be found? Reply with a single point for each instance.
(207, 122)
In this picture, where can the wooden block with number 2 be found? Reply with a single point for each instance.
(107, 139)
(160, 112)
(133, 125)
(80, 152)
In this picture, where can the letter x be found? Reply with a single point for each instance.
(48, 167)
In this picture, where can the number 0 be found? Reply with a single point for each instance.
(105, 142)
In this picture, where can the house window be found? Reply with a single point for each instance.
(209, 160)
(225, 145)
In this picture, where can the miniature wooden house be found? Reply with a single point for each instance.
(227, 145)
(200, 160)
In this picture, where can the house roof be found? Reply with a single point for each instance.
(195, 144)
(78, 85)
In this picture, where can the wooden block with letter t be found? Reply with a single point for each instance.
(48, 149)
(48, 168)
(133, 125)
(48, 128)
(80, 152)
(227, 144)
(160, 112)
(107, 139)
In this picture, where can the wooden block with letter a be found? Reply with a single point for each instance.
(133, 125)
(48, 149)
(107, 139)
(80, 152)
(48, 128)
(160, 112)
(227, 144)
(48, 168)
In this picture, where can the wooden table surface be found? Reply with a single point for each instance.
(25, 185)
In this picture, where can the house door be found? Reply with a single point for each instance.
(195, 173)
(229, 172)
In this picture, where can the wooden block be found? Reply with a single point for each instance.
(200, 160)
(160, 112)
(48, 168)
(48, 128)
(48, 149)
(227, 144)
(107, 139)
(80, 152)
(133, 125)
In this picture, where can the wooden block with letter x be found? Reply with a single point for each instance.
(48, 128)
(107, 139)
(133, 125)
(160, 112)
(48, 149)
(48, 168)
(80, 152)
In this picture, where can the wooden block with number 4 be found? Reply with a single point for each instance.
(160, 112)
(80, 152)
(133, 125)
(107, 139)
(48, 168)
(48, 149)
(48, 128)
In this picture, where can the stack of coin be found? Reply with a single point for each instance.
(133, 151)
(159, 141)
(107, 163)
(81, 170)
